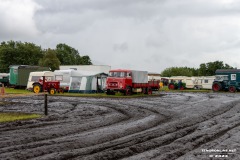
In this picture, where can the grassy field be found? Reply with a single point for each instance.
(16, 91)
(165, 88)
(9, 117)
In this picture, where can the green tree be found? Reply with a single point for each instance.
(85, 60)
(50, 60)
(178, 71)
(70, 56)
(18, 53)
(208, 69)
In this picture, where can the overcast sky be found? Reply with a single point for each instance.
(149, 35)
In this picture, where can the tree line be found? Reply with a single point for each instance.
(205, 69)
(19, 53)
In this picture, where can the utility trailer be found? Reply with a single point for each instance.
(19, 74)
(226, 80)
(129, 81)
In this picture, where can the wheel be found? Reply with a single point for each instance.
(144, 90)
(37, 88)
(232, 89)
(171, 86)
(216, 87)
(181, 88)
(149, 91)
(52, 91)
(128, 91)
(60, 90)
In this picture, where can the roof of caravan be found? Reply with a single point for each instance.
(227, 71)
(78, 73)
(64, 71)
(23, 66)
(124, 70)
(86, 73)
(41, 73)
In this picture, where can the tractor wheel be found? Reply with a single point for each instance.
(232, 89)
(52, 91)
(171, 86)
(37, 88)
(144, 90)
(60, 90)
(128, 91)
(181, 88)
(216, 87)
(149, 91)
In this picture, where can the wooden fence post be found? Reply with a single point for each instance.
(45, 105)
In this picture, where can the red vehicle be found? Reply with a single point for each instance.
(47, 86)
(130, 81)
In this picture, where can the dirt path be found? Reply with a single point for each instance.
(170, 126)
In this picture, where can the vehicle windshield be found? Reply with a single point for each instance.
(118, 74)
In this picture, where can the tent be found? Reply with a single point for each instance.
(87, 82)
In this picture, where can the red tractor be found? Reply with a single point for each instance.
(47, 86)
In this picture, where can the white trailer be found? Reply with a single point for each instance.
(154, 76)
(206, 82)
(91, 68)
(191, 82)
(64, 77)
(35, 76)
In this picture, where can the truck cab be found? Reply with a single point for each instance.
(118, 80)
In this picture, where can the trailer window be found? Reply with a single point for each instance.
(59, 77)
(35, 78)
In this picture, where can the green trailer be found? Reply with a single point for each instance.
(19, 74)
(227, 80)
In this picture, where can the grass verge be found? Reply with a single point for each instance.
(12, 116)
(16, 91)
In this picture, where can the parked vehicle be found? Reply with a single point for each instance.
(19, 74)
(177, 82)
(64, 77)
(227, 80)
(4, 79)
(206, 82)
(130, 81)
(47, 86)
(35, 76)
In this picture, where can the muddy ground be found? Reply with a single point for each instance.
(164, 127)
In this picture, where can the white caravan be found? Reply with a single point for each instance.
(35, 76)
(206, 82)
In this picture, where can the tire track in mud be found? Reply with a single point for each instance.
(125, 152)
(192, 141)
(94, 123)
(139, 123)
(144, 132)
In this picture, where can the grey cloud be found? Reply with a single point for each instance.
(158, 33)
(120, 47)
